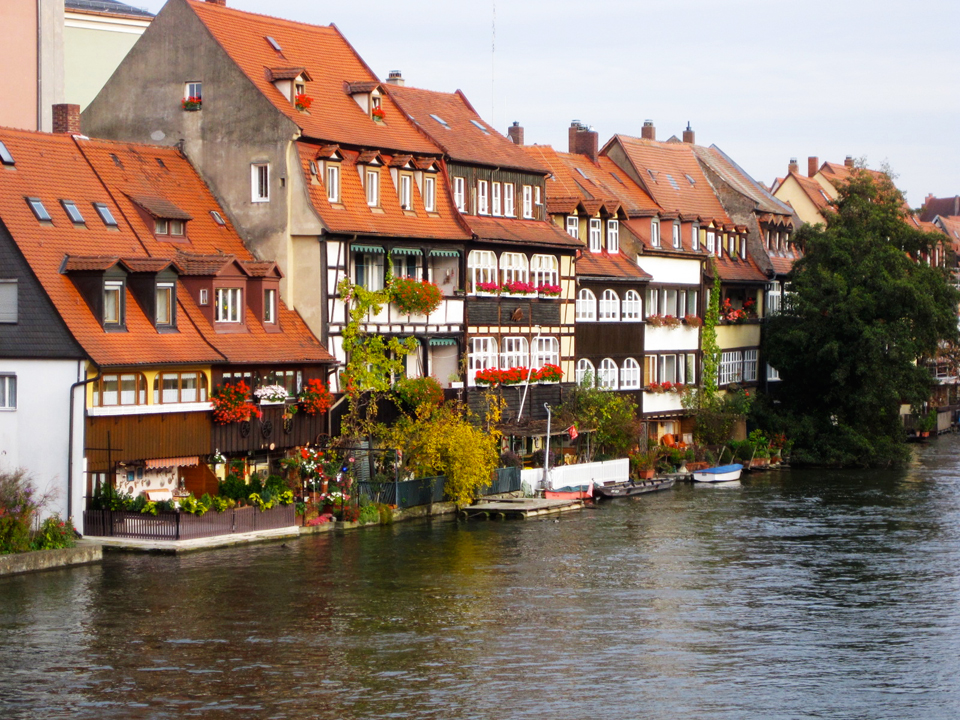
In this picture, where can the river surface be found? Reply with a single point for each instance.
(799, 594)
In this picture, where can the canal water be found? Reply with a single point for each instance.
(798, 594)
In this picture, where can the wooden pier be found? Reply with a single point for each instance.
(517, 508)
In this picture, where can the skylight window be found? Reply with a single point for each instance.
(673, 182)
(5, 157)
(39, 211)
(274, 44)
(617, 178)
(482, 128)
(440, 120)
(690, 179)
(217, 218)
(653, 174)
(104, 212)
(116, 160)
(72, 211)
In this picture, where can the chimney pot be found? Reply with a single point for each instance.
(649, 132)
(584, 140)
(848, 161)
(688, 135)
(794, 166)
(394, 77)
(813, 164)
(66, 119)
(515, 133)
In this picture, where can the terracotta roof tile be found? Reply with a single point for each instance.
(284, 73)
(528, 232)
(464, 135)
(721, 163)
(148, 265)
(610, 266)
(160, 207)
(193, 264)
(329, 59)
(76, 263)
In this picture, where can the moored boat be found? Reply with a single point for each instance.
(632, 487)
(722, 473)
(571, 492)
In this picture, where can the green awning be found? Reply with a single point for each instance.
(442, 341)
(367, 249)
(445, 253)
(405, 251)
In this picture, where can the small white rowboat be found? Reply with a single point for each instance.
(723, 473)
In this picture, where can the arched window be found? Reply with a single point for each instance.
(120, 389)
(514, 268)
(609, 306)
(607, 377)
(481, 268)
(630, 375)
(513, 352)
(632, 306)
(544, 270)
(586, 306)
(586, 372)
(545, 350)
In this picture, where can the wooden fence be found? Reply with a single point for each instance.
(184, 526)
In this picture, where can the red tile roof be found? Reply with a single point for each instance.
(329, 59)
(735, 176)
(465, 136)
(812, 189)
(603, 264)
(522, 232)
(352, 215)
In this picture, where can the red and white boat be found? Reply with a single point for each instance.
(571, 492)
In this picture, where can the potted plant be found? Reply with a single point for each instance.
(926, 423)
(302, 102)
(488, 288)
(191, 103)
(315, 398)
(377, 114)
(518, 287)
(271, 394)
(643, 464)
(414, 392)
(231, 403)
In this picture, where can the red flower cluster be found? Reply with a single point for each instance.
(488, 287)
(231, 403)
(518, 287)
(548, 289)
(666, 387)
(693, 320)
(415, 297)
(549, 373)
(517, 375)
(315, 398)
(191, 103)
(377, 113)
(737, 315)
(302, 102)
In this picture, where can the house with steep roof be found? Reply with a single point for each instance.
(520, 267)
(313, 161)
(611, 285)
(132, 271)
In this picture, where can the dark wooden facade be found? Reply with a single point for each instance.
(503, 309)
(270, 433)
(472, 173)
(129, 438)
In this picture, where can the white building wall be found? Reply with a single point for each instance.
(659, 339)
(671, 271)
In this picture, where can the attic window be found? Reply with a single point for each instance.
(653, 174)
(104, 212)
(690, 179)
(217, 218)
(617, 178)
(582, 173)
(673, 182)
(440, 120)
(73, 213)
(116, 160)
(169, 226)
(482, 128)
(39, 211)
(274, 44)
(5, 157)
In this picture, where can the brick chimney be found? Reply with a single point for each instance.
(66, 119)
(794, 166)
(584, 140)
(515, 133)
(649, 132)
(689, 136)
(395, 78)
(813, 164)
(221, 3)
(848, 161)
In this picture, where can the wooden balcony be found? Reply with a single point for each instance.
(270, 433)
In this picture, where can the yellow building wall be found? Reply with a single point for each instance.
(738, 336)
(791, 192)
(150, 376)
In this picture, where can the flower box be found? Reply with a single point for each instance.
(191, 104)
(302, 102)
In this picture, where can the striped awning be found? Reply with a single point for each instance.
(173, 462)
(445, 253)
(367, 249)
(442, 341)
(406, 251)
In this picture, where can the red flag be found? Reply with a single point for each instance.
(572, 430)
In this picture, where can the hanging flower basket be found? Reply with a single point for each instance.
(231, 403)
(302, 102)
(415, 297)
(315, 398)
(191, 103)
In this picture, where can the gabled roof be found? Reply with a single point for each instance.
(520, 232)
(738, 179)
(606, 265)
(353, 215)
(670, 173)
(452, 123)
(950, 225)
(811, 188)
(330, 61)
(944, 207)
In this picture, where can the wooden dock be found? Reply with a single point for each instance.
(517, 508)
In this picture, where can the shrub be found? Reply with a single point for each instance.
(415, 392)
(510, 459)
(369, 514)
(54, 534)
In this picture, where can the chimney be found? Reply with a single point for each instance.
(794, 166)
(813, 164)
(395, 78)
(689, 136)
(584, 140)
(649, 132)
(221, 3)
(66, 119)
(848, 161)
(515, 133)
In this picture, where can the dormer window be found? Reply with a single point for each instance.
(676, 235)
(333, 183)
(695, 237)
(430, 194)
(39, 211)
(508, 205)
(483, 199)
(711, 242)
(406, 192)
(228, 305)
(527, 201)
(169, 226)
(655, 233)
(270, 306)
(495, 199)
(165, 296)
(460, 193)
(613, 236)
(113, 303)
(596, 233)
(573, 226)
(372, 187)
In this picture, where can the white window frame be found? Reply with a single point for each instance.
(229, 305)
(608, 375)
(527, 202)
(632, 307)
(514, 352)
(690, 370)
(374, 270)
(270, 306)
(655, 233)
(653, 301)
(481, 267)
(544, 270)
(190, 87)
(586, 306)
(750, 365)
(167, 289)
(260, 182)
(609, 306)
(483, 198)
(651, 369)
(772, 373)
(584, 368)
(460, 193)
(495, 196)
(596, 235)
(508, 200)
(8, 392)
(371, 186)
(545, 350)
(731, 367)
(631, 375)
(695, 237)
(406, 192)
(676, 236)
(774, 301)
(482, 355)
(430, 194)
(514, 267)
(613, 237)
(711, 242)
(113, 287)
(333, 182)
(573, 226)
(667, 368)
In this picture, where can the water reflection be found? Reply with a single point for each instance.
(798, 594)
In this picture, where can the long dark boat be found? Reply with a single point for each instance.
(632, 487)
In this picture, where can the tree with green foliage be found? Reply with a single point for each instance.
(864, 307)
(611, 416)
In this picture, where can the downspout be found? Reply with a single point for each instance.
(70, 442)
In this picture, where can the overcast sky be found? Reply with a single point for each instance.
(763, 80)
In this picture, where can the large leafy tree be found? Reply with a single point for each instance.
(864, 309)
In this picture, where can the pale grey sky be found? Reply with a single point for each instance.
(763, 80)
